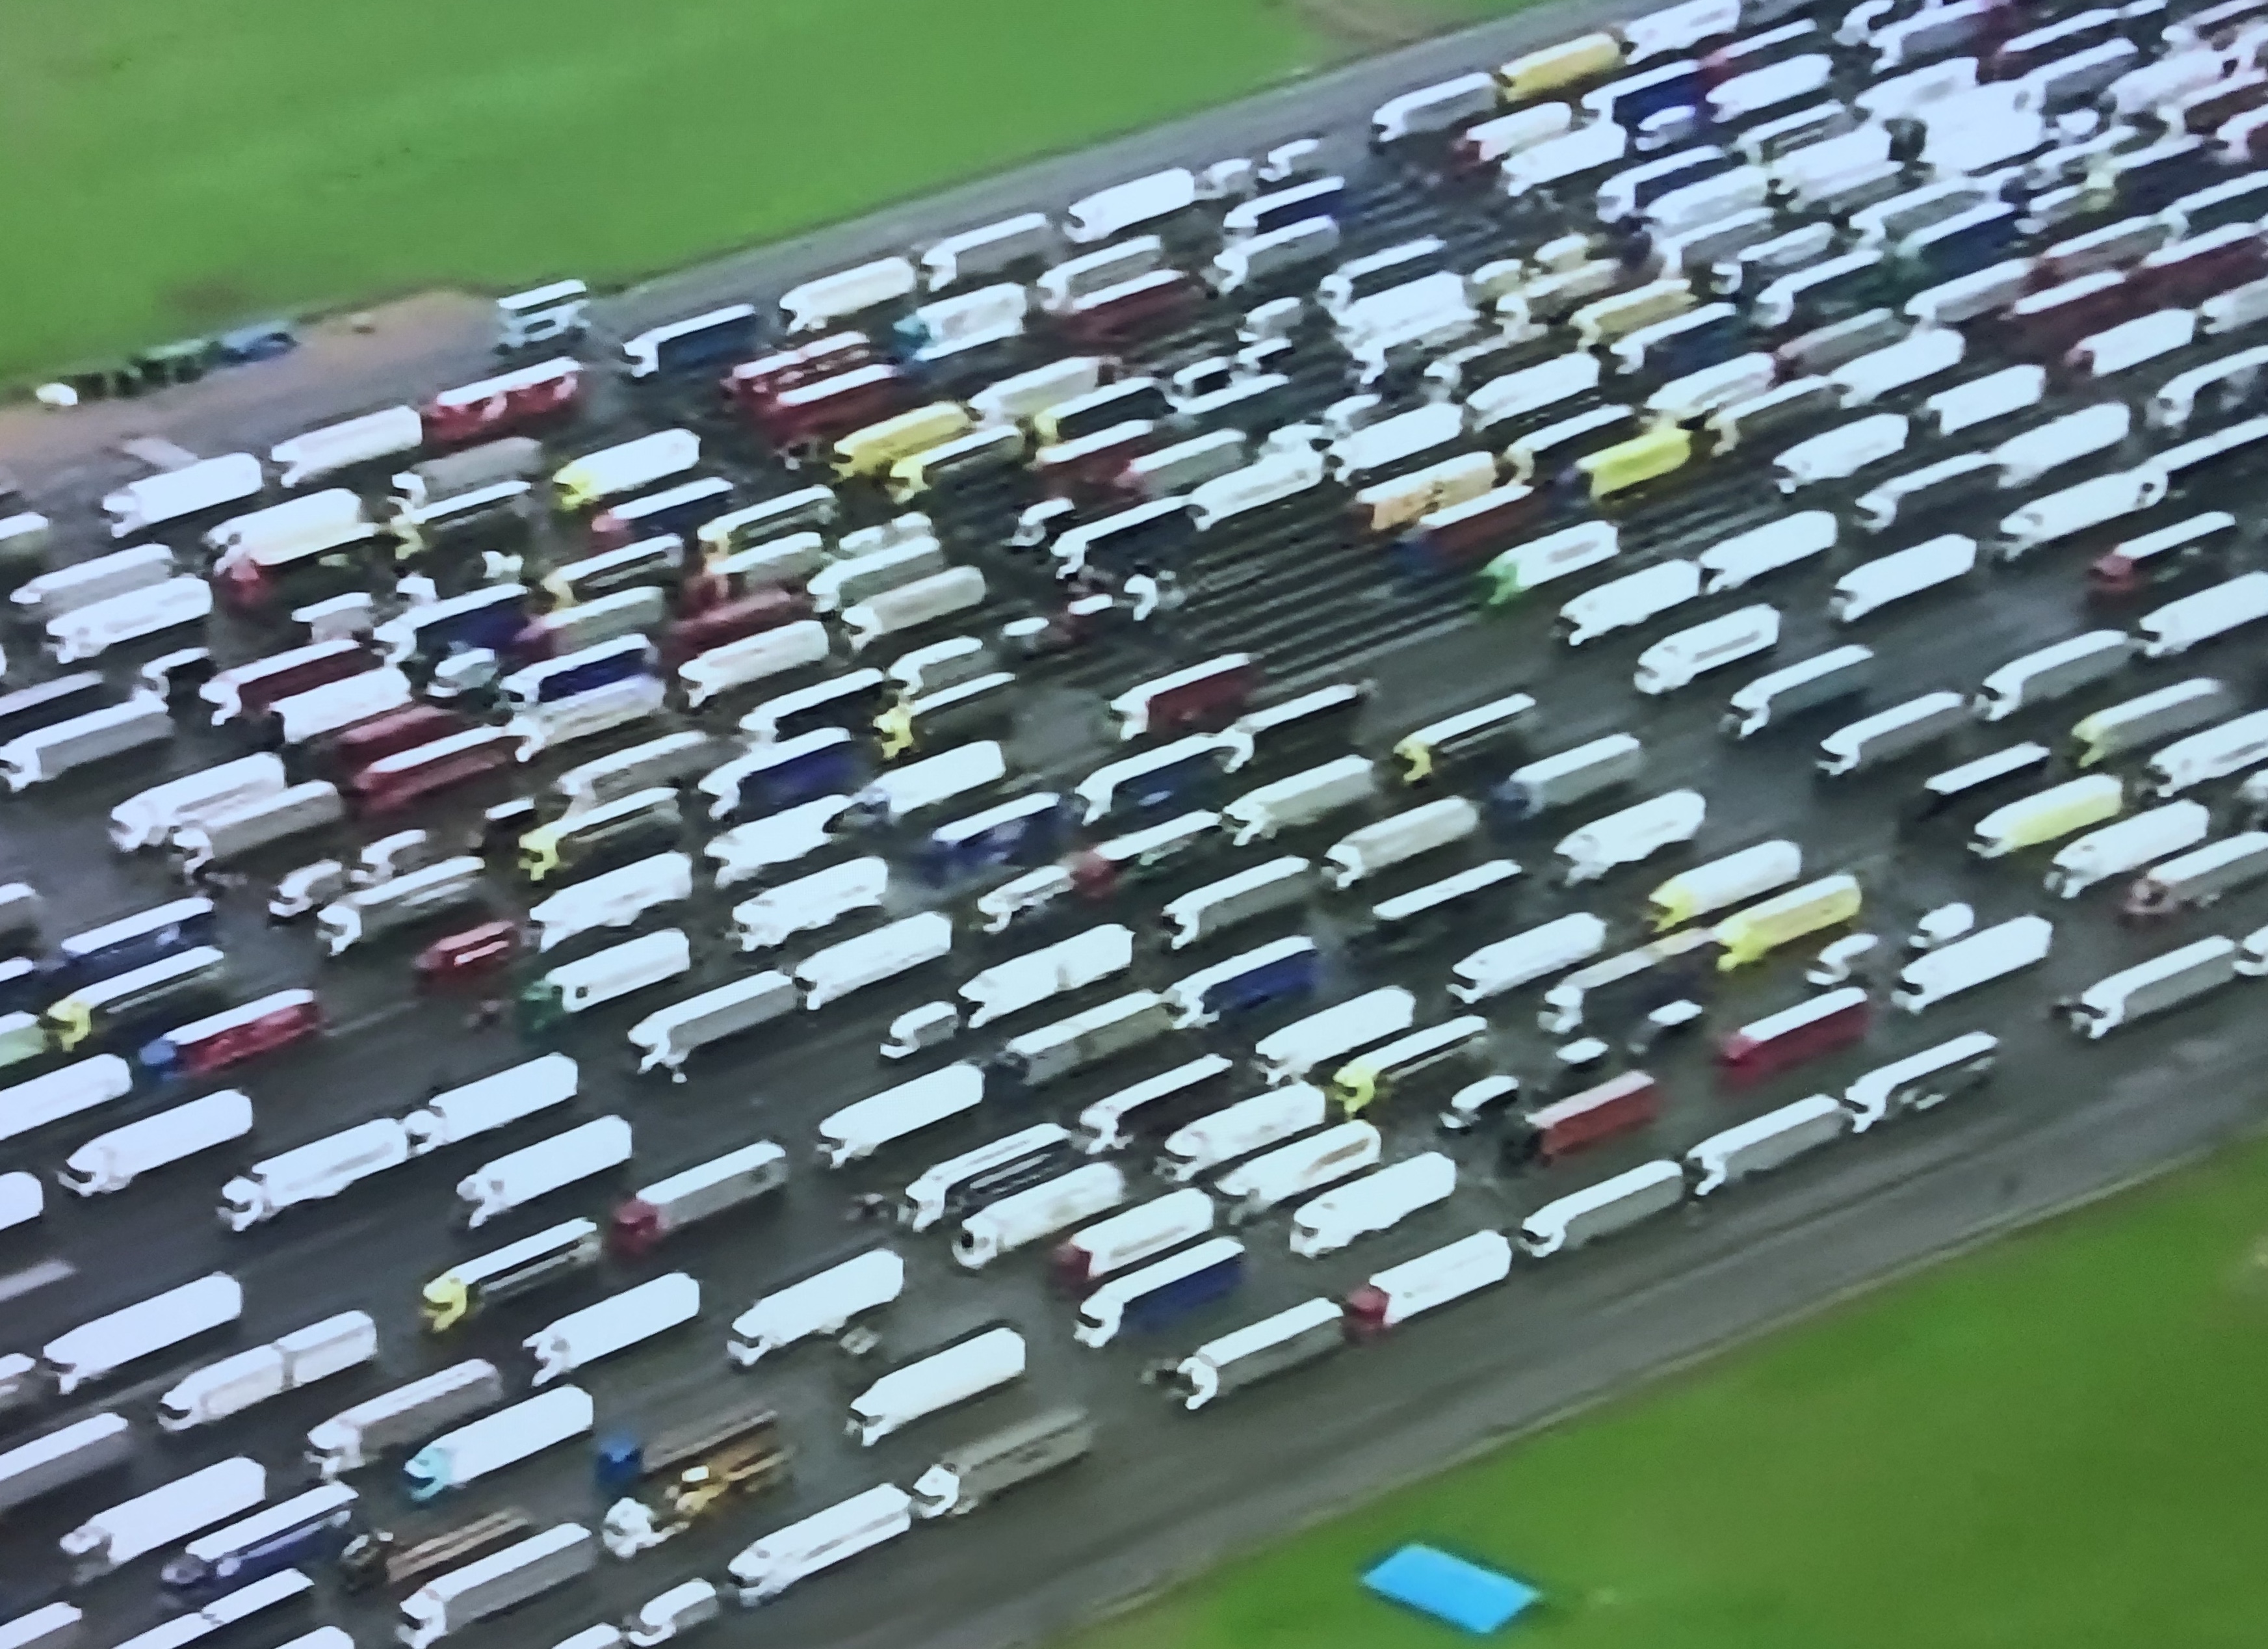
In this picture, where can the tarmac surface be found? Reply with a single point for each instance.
(1164, 1492)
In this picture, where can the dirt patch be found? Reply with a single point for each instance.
(409, 348)
(1353, 28)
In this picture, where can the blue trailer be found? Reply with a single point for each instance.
(579, 671)
(130, 943)
(717, 335)
(1024, 832)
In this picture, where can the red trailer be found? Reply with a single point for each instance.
(713, 626)
(818, 413)
(249, 691)
(2186, 273)
(222, 1039)
(472, 954)
(1147, 305)
(1794, 1037)
(497, 406)
(408, 777)
(753, 384)
(1616, 1106)
(352, 749)
(1211, 694)
(1084, 467)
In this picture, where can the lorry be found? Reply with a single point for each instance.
(980, 1362)
(1287, 1340)
(763, 1570)
(232, 1384)
(356, 1436)
(133, 1528)
(494, 1441)
(614, 1324)
(102, 1348)
(974, 1472)
(521, 1177)
(824, 1303)
(692, 1195)
(1437, 1278)
(113, 1161)
(312, 1172)
(66, 1455)
(1375, 1202)
(489, 1585)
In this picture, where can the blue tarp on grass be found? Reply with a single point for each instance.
(1450, 1589)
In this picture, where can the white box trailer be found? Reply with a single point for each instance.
(767, 1568)
(235, 1384)
(1026, 1216)
(524, 1570)
(1551, 948)
(1723, 883)
(1991, 953)
(1268, 479)
(1630, 601)
(614, 1324)
(1300, 1334)
(492, 1102)
(1301, 800)
(2077, 509)
(985, 1362)
(83, 584)
(192, 490)
(335, 447)
(619, 970)
(1240, 1129)
(150, 816)
(1288, 1055)
(1736, 562)
(822, 1304)
(1376, 1202)
(64, 1456)
(1632, 835)
(52, 1626)
(1396, 840)
(1067, 965)
(1216, 907)
(1001, 1164)
(102, 1348)
(2215, 753)
(1293, 1170)
(312, 1172)
(62, 747)
(615, 898)
(871, 958)
(1765, 1142)
(1875, 584)
(1598, 1210)
(670, 1036)
(1132, 205)
(2175, 628)
(816, 305)
(747, 851)
(1438, 1278)
(1680, 660)
(1110, 1246)
(1922, 1081)
(521, 1177)
(401, 902)
(22, 1201)
(974, 1472)
(2164, 982)
(802, 645)
(354, 1436)
(2127, 846)
(133, 1528)
(113, 1161)
(859, 1129)
(494, 1441)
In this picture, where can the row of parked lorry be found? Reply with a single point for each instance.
(1314, 1146)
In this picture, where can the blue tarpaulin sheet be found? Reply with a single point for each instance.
(1449, 1588)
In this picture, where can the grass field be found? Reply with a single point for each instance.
(174, 167)
(2055, 1443)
